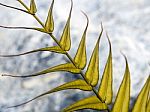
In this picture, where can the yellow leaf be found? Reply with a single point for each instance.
(33, 8)
(80, 57)
(49, 24)
(105, 89)
(67, 67)
(76, 84)
(65, 40)
(92, 73)
(91, 102)
(40, 29)
(148, 106)
(123, 97)
(141, 102)
(55, 49)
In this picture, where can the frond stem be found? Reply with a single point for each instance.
(67, 54)
(24, 5)
(82, 74)
(39, 21)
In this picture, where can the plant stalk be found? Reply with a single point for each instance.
(57, 42)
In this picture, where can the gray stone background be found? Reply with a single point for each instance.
(126, 21)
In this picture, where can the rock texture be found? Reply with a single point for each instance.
(127, 23)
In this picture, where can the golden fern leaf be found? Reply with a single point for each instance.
(65, 41)
(91, 102)
(142, 99)
(33, 8)
(105, 89)
(55, 49)
(76, 84)
(92, 73)
(67, 67)
(80, 57)
(49, 24)
(148, 106)
(123, 97)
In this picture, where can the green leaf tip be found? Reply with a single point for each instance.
(80, 58)
(65, 41)
(91, 102)
(33, 8)
(92, 73)
(49, 24)
(123, 96)
(105, 88)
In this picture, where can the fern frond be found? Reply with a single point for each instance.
(103, 96)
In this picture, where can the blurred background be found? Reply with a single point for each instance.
(126, 21)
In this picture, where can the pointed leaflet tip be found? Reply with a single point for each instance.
(86, 19)
(65, 41)
(100, 35)
(105, 89)
(71, 7)
(49, 24)
(33, 8)
(92, 73)
(123, 96)
(80, 57)
(108, 41)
